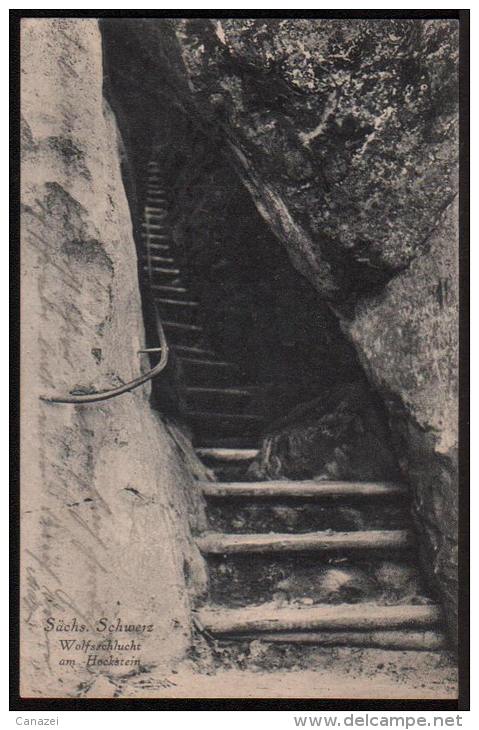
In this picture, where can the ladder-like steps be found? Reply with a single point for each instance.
(342, 617)
(309, 489)
(327, 541)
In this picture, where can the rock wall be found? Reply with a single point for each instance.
(107, 501)
(345, 133)
(413, 363)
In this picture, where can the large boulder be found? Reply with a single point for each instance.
(339, 435)
(107, 501)
(343, 130)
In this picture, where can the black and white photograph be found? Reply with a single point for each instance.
(241, 260)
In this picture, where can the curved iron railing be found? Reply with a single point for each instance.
(135, 383)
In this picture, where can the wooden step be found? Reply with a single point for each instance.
(218, 391)
(382, 639)
(160, 270)
(209, 363)
(222, 454)
(182, 326)
(218, 543)
(158, 246)
(156, 219)
(186, 350)
(178, 302)
(151, 238)
(169, 289)
(153, 226)
(161, 259)
(309, 489)
(323, 617)
(228, 442)
(216, 416)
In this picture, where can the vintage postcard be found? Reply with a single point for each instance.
(239, 356)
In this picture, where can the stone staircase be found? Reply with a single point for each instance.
(311, 562)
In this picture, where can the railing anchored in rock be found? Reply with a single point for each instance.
(82, 397)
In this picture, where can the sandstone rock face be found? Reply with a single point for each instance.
(106, 494)
(407, 339)
(344, 132)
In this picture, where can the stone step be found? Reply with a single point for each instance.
(296, 515)
(383, 639)
(307, 489)
(314, 578)
(356, 617)
(326, 541)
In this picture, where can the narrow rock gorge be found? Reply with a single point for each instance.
(308, 170)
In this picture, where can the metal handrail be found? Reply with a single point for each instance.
(135, 383)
